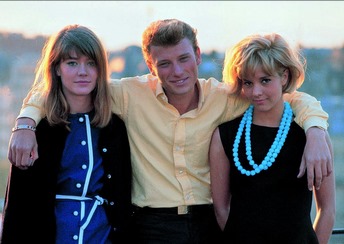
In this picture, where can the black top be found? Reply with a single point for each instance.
(272, 206)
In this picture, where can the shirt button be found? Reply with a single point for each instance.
(75, 237)
(84, 166)
(78, 185)
(104, 149)
(83, 143)
(112, 203)
(181, 171)
(109, 176)
(75, 213)
(81, 119)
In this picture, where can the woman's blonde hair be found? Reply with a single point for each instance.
(272, 53)
(83, 41)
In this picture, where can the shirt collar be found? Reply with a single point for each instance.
(159, 92)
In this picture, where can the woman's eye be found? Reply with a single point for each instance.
(92, 63)
(264, 81)
(163, 65)
(247, 83)
(72, 63)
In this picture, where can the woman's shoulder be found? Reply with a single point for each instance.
(231, 124)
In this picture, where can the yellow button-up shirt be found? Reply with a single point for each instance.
(170, 151)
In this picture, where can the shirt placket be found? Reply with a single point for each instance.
(181, 172)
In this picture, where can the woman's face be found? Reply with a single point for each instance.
(78, 75)
(263, 90)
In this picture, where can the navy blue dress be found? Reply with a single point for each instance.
(80, 214)
(273, 206)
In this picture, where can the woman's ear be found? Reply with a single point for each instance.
(57, 69)
(285, 77)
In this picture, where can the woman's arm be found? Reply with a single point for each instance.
(325, 205)
(219, 179)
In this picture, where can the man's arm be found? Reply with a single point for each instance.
(22, 148)
(316, 158)
(308, 111)
(313, 119)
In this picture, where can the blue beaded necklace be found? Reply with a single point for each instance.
(275, 147)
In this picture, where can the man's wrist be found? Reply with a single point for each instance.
(316, 131)
(24, 127)
(25, 121)
(319, 127)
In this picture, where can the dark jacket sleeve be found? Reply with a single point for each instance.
(28, 215)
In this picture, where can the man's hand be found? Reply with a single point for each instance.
(317, 158)
(22, 148)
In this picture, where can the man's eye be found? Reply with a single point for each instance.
(184, 59)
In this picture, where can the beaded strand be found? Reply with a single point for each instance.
(275, 148)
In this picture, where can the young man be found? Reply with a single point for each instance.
(170, 116)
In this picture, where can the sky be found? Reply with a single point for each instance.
(220, 24)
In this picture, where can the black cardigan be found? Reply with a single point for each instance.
(28, 215)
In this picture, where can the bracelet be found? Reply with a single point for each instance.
(23, 127)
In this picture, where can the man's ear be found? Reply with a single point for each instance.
(198, 56)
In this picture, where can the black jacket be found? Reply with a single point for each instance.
(28, 215)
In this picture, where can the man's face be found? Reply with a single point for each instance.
(176, 67)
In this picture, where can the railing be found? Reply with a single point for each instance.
(338, 231)
(337, 236)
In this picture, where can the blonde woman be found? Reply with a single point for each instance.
(254, 159)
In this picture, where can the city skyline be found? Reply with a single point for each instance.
(220, 24)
